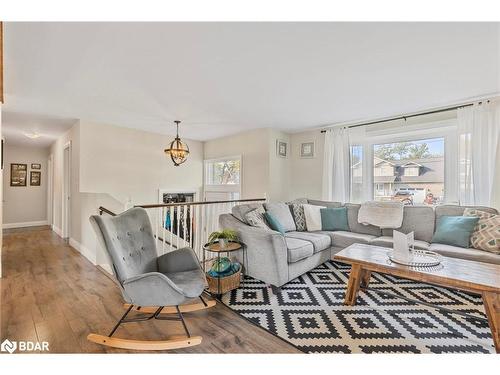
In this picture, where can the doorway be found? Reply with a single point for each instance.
(66, 199)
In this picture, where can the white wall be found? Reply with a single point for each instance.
(264, 174)
(253, 148)
(111, 165)
(279, 184)
(131, 164)
(307, 174)
(25, 205)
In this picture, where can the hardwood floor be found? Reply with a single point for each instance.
(49, 292)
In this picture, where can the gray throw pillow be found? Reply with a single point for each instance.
(299, 217)
(256, 218)
(239, 211)
(282, 213)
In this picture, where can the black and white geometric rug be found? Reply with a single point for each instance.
(309, 313)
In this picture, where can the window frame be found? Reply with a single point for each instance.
(446, 129)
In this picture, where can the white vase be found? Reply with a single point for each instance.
(222, 243)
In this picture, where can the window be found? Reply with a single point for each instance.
(409, 171)
(223, 178)
(223, 171)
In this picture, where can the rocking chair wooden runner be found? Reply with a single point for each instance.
(150, 284)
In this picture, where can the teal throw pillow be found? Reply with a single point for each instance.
(274, 223)
(334, 219)
(454, 230)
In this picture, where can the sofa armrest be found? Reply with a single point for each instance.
(265, 256)
(152, 289)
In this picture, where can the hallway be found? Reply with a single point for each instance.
(49, 292)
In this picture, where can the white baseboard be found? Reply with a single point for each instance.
(25, 224)
(57, 230)
(107, 268)
(83, 250)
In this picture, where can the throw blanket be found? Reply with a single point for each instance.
(381, 214)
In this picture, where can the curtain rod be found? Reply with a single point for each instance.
(404, 117)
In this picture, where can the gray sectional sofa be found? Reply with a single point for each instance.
(277, 259)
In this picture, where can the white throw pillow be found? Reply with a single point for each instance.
(313, 217)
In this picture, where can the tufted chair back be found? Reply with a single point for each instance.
(129, 241)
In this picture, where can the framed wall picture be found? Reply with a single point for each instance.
(35, 177)
(281, 148)
(36, 166)
(307, 150)
(18, 174)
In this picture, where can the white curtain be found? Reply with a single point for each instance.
(478, 143)
(336, 166)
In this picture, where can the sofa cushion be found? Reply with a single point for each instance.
(328, 204)
(344, 239)
(241, 210)
(388, 241)
(313, 217)
(256, 218)
(417, 219)
(282, 213)
(274, 223)
(453, 210)
(299, 216)
(334, 219)
(298, 201)
(454, 230)
(467, 254)
(320, 241)
(298, 249)
(486, 234)
(354, 226)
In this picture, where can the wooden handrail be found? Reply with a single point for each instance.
(198, 203)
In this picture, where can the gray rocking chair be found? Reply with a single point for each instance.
(150, 284)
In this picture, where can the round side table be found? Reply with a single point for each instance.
(231, 246)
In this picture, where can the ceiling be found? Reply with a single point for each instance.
(224, 78)
(15, 127)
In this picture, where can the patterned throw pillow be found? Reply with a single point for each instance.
(486, 234)
(299, 217)
(256, 218)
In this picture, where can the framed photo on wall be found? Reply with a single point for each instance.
(18, 174)
(307, 150)
(36, 166)
(35, 178)
(281, 148)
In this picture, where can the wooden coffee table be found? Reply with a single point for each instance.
(475, 277)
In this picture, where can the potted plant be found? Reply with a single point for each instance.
(223, 237)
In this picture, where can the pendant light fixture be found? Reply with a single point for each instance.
(178, 150)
